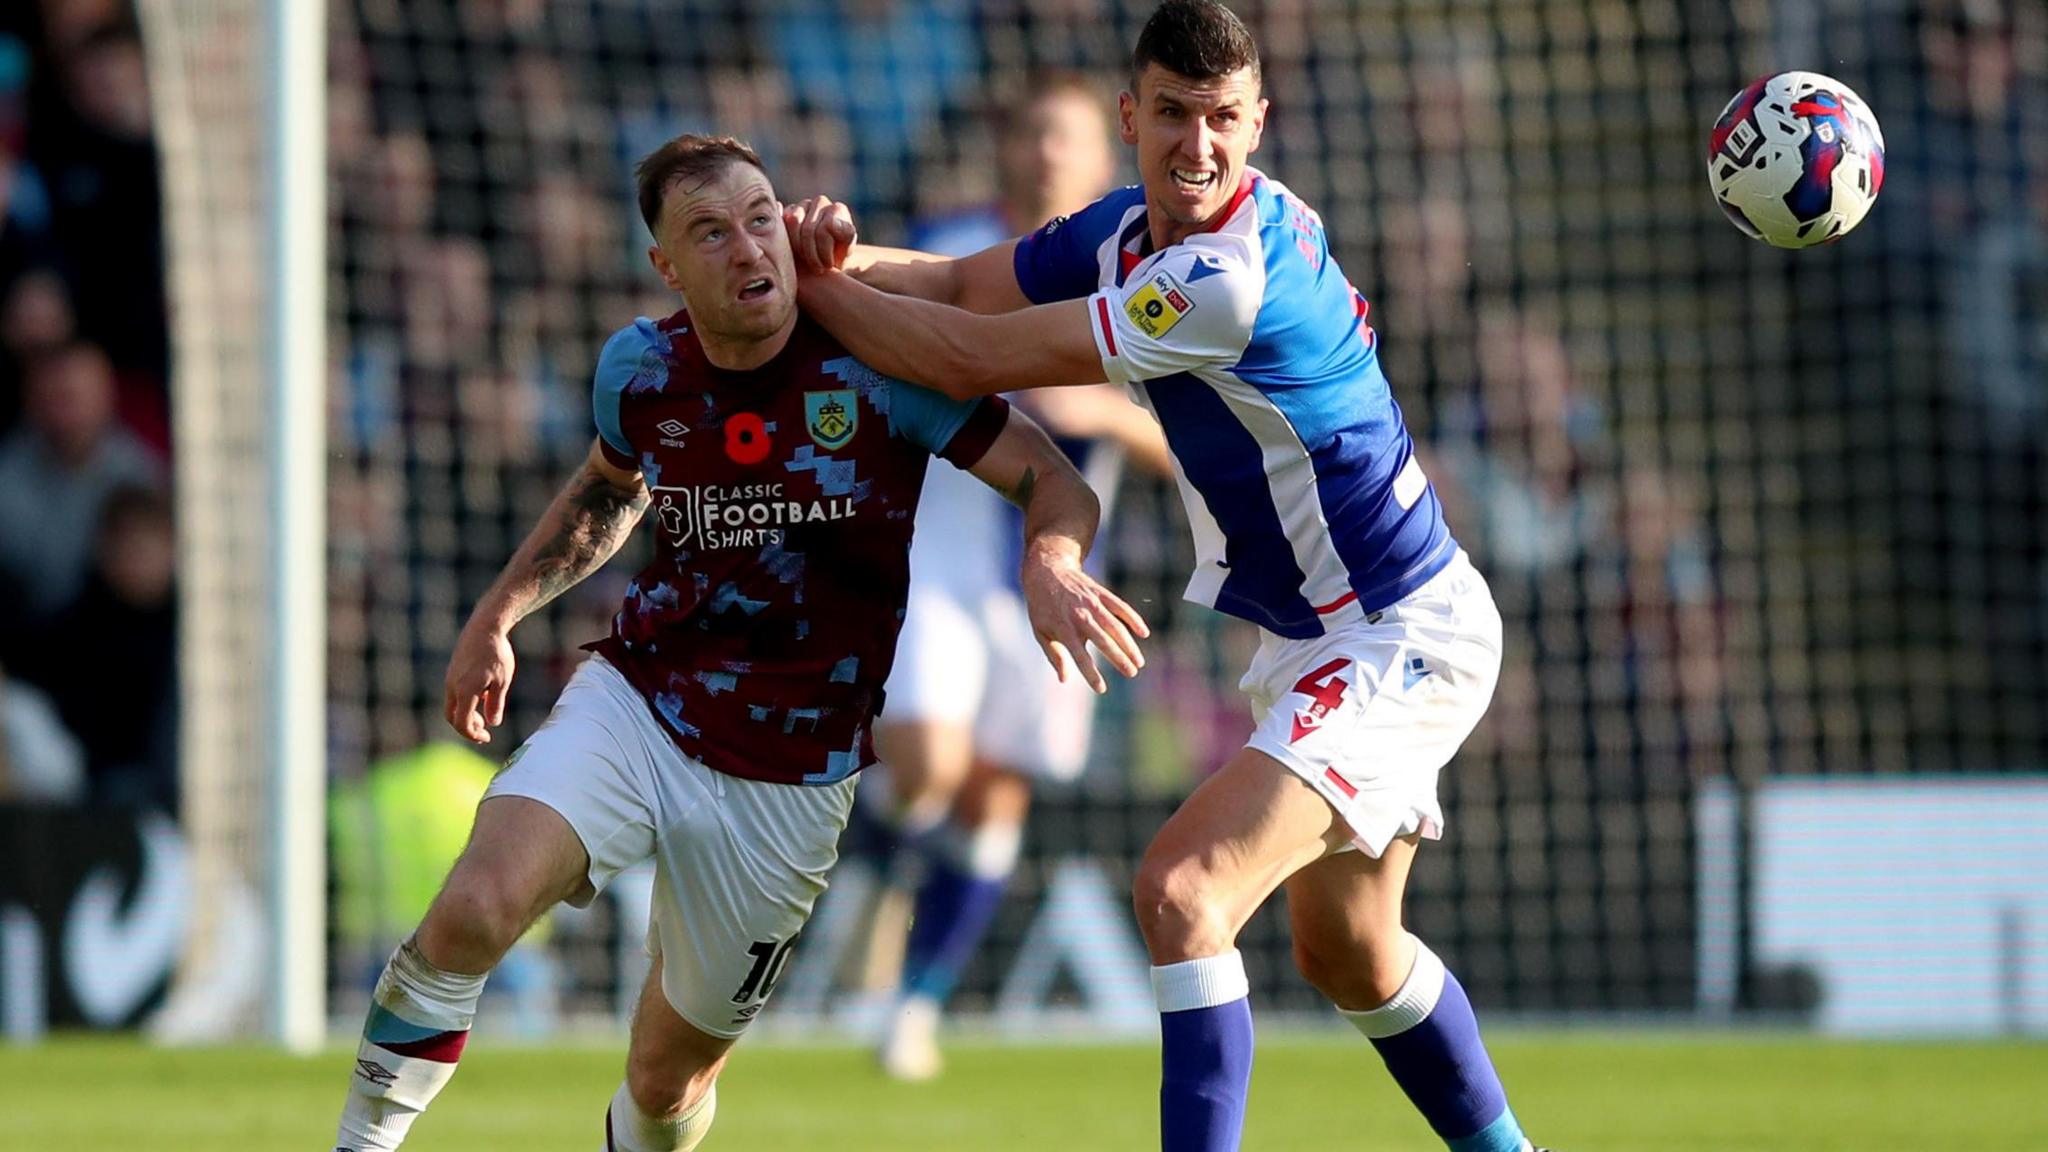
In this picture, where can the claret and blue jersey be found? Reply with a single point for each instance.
(782, 503)
(1308, 506)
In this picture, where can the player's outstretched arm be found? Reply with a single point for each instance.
(589, 519)
(958, 353)
(822, 236)
(1069, 609)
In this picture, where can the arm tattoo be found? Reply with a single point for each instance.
(596, 519)
(1026, 486)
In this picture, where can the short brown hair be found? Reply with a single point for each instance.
(686, 156)
(1199, 39)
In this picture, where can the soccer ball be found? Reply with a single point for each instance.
(1797, 159)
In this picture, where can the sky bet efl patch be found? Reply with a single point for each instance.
(1158, 306)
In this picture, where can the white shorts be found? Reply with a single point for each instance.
(738, 863)
(971, 659)
(1371, 712)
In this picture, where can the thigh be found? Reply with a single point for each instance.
(1232, 842)
(524, 846)
(924, 760)
(739, 866)
(594, 764)
(1344, 913)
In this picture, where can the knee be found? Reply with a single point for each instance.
(666, 1088)
(1355, 972)
(480, 912)
(1178, 911)
(659, 1088)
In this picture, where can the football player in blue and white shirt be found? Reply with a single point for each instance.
(1209, 290)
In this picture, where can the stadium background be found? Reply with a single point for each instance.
(1749, 515)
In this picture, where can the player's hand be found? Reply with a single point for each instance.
(821, 233)
(479, 675)
(1069, 611)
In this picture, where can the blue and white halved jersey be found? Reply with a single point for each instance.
(1247, 342)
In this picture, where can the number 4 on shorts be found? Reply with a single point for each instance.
(1325, 691)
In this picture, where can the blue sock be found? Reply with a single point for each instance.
(955, 906)
(1429, 1038)
(1205, 1033)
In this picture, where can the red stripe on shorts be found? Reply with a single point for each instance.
(1345, 786)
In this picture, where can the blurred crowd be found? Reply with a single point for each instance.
(1744, 513)
(88, 695)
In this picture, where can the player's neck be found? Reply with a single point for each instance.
(1165, 231)
(745, 355)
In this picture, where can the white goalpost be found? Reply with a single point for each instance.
(295, 339)
(239, 94)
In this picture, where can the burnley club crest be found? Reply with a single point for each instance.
(832, 416)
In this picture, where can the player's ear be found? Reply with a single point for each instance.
(1126, 116)
(663, 268)
(1258, 126)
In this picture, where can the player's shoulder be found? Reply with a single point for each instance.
(640, 351)
(1222, 269)
(1104, 218)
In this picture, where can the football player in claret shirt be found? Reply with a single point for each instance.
(719, 728)
(1210, 291)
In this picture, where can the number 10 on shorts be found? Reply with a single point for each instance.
(770, 959)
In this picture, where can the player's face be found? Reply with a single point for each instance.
(1056, 157)
(722, 245)
(1194, 139)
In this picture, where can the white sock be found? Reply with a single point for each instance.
(419, 1021)
(1411, 1005)
(628, 1129)
(1205, 982)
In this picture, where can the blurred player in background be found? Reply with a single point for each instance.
(719, 728)
(974, 715)
(1211, 291)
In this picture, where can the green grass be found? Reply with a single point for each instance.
(1581, 1092)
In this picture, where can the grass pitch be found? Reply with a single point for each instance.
(1580, 1092)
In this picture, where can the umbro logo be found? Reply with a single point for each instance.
(376, 1073)
(672, 432)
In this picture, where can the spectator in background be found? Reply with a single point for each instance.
(57, 470)
(110, 663)
(98, 154)
(40, 760)
(35, 319)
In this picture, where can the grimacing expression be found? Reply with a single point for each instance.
(1194, 138)
(722, 245)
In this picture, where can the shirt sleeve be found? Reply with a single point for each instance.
(622, 361)
(1193, 309)
(958, 430)
(1059, 261)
